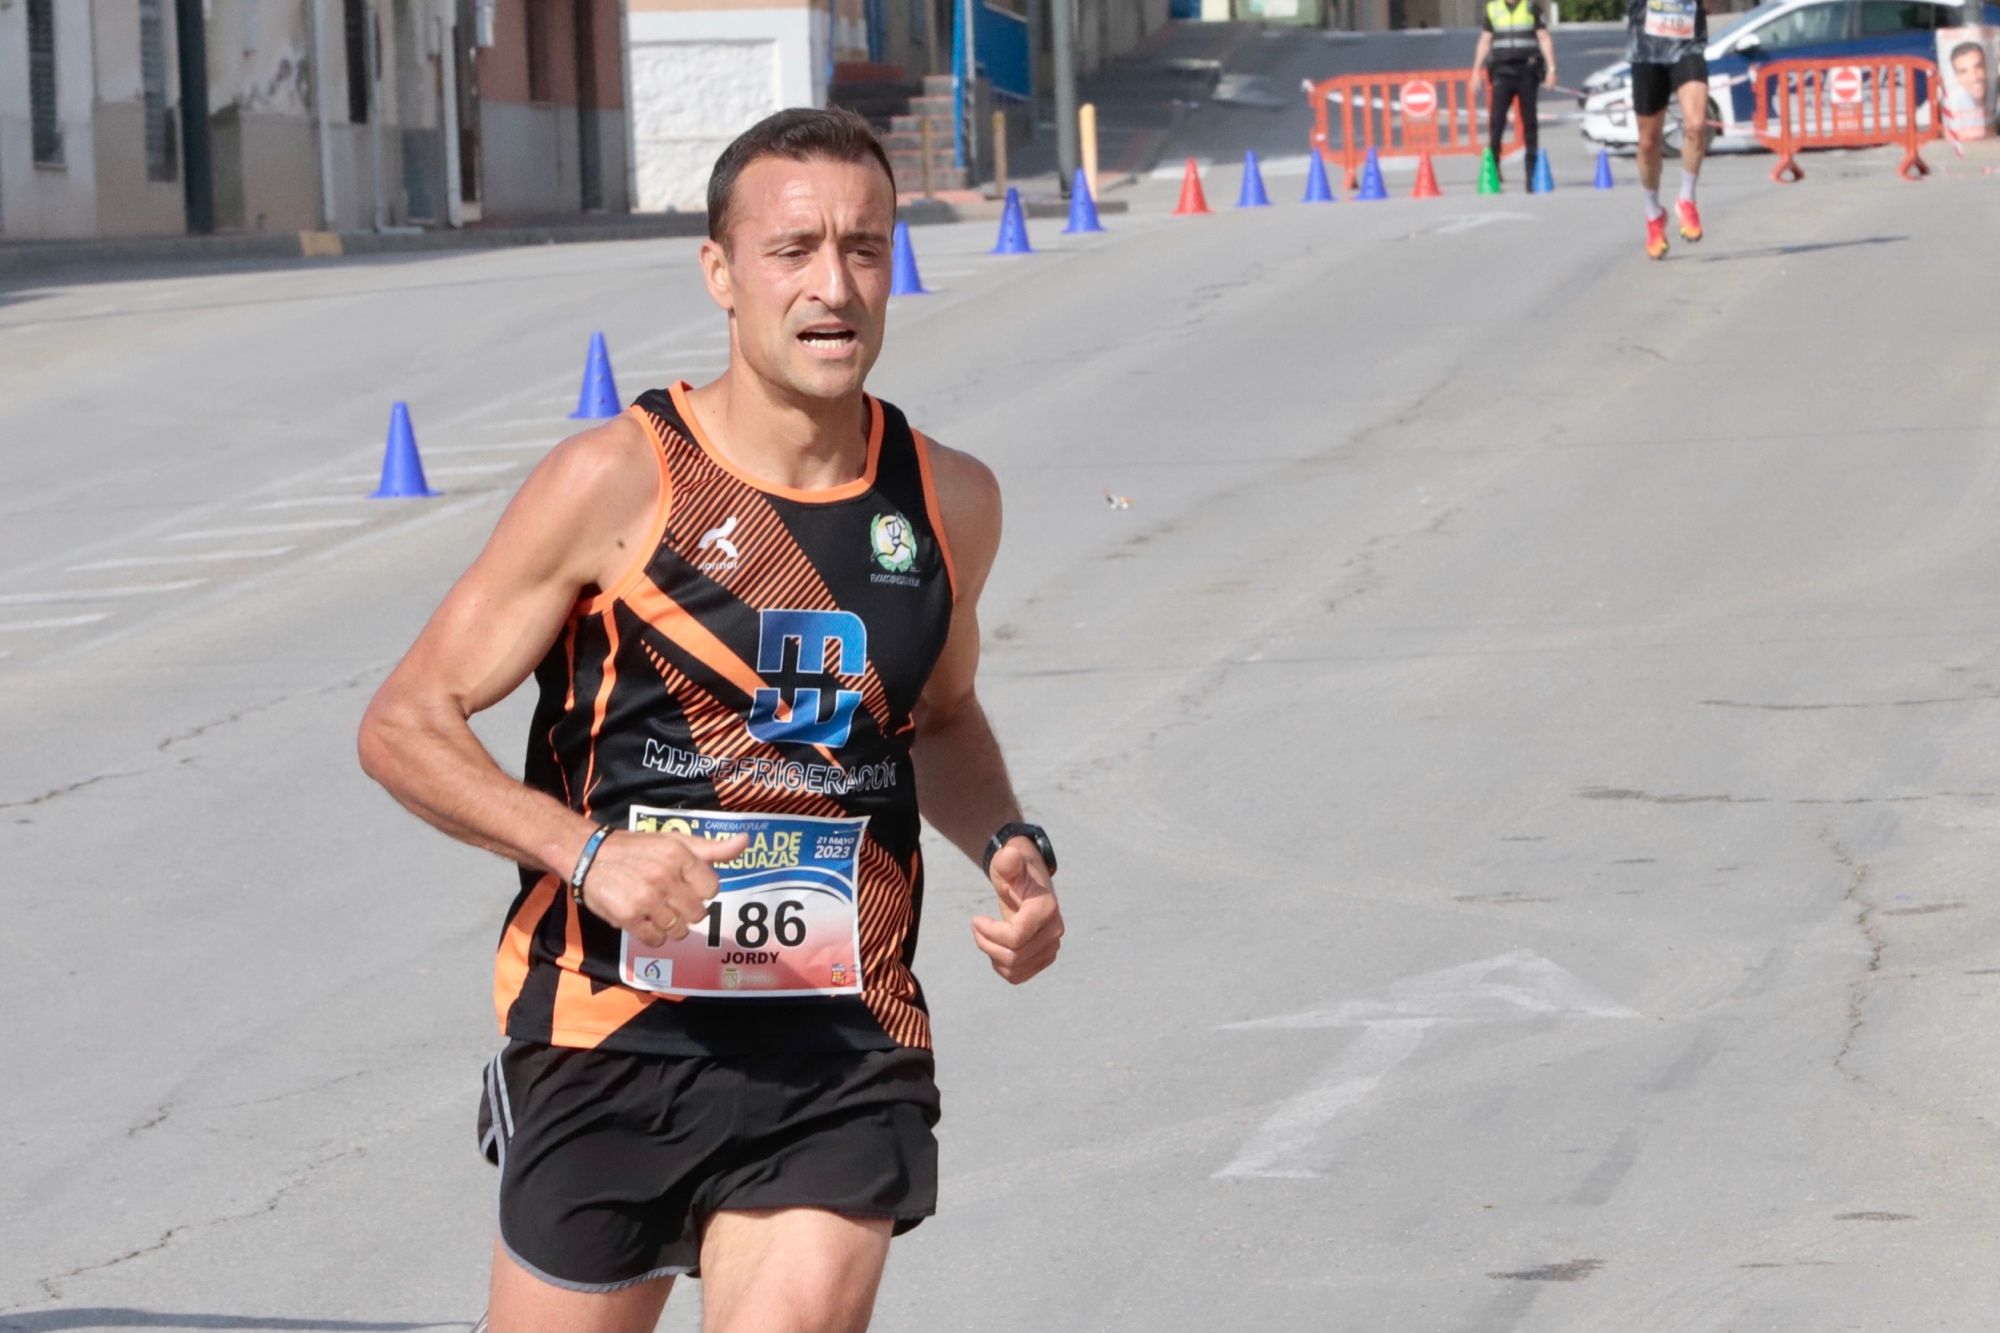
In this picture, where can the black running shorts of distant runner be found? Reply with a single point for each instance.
(611, 1163)
(1654, 86)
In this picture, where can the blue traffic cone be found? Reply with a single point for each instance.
(1013, 227)
(1253, 195)
(1082, 208)
(402, 469)
(1371, 179)
(1318, 191)
(1544, 181)
(599, 397)
(903, 277)
(1603, 181)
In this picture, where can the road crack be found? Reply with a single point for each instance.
(55, 793)
(265, 705)
(1980, 697)
(53, 1284)
(1864, 921)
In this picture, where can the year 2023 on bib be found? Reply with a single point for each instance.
(785, 921)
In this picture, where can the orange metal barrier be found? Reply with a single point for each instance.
(1844, 104)
(1403, 114)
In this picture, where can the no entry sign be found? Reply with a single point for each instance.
(1843, 85)
(1419, 99)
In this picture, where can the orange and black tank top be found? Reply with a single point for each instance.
(652, 696)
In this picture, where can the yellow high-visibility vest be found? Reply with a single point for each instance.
(1513, 27)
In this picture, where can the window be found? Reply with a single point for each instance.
(540, 88)
(153, 84)
(356, 15)
(1814, 25)
(1885, 18)
(42, 83)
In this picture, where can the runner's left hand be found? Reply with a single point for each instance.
(1030, 929)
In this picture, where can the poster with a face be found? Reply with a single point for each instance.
(1965, 64)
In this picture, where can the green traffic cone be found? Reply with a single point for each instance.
(1489, 174)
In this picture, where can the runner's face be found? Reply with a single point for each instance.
(805, 275)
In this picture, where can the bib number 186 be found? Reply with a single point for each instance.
(757, 924)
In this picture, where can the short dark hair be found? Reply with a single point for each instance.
(797, 134)
(1962, 48)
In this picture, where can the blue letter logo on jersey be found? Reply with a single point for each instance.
(814, 632)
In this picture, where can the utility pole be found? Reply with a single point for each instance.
(1062, 16)
(197, 166)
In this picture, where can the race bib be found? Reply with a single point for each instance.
(1672, 20)
(784, 923)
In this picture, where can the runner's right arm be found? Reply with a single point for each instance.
(576, 525)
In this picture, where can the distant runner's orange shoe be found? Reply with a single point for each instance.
(1656, 237)
(1690, 221)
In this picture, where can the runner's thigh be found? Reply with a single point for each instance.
(791, 1270)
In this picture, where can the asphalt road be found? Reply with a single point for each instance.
(1522, 763)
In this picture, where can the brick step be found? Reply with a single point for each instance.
(862, 71)
(911, 124)
(936, 85)
(877, 103)
(909, 167)
(910, 173)
(912, 141)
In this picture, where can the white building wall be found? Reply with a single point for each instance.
(698, 78)
(47, 201)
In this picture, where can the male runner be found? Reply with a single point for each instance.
(751, 613)
(1668, 41)
(1516, 52)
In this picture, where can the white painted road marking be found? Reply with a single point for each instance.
(179, 558)
(313, 501)
(451, 470)
(1474, 221)
(500, 447)
(61, 622)
(266, 529)
(1511, 986)
(96, 594)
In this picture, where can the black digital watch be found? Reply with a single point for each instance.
(1034, 833)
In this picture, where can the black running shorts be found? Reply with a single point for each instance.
(1653, 86)
(610, 1163)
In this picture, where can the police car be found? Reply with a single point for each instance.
(1774, 30)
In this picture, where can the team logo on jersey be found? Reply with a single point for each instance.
(894, 542)
(813, 636)
(725, 555)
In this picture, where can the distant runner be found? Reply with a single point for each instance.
(1668, 39)
(750, 609)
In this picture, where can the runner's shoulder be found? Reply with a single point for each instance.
(586, 500)
(604, 471)
(968, 498)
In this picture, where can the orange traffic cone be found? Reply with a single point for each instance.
(1192, 199)
(1427, 181)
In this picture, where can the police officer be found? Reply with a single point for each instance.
(1515, 37)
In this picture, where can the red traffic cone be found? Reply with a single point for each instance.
(1427, 181)
(1192, 199)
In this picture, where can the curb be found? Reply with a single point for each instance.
(28, 261)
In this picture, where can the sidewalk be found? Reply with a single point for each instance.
(24, 262)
